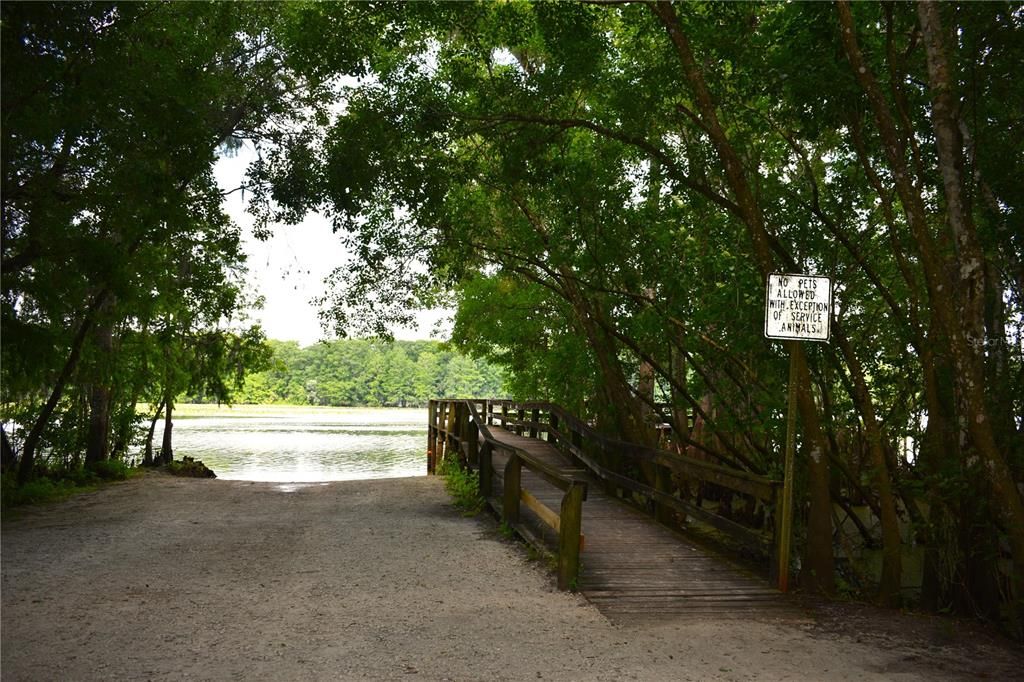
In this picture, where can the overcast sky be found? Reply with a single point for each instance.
(289, 268)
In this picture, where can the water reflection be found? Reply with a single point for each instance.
(292, 487)
(304, 444)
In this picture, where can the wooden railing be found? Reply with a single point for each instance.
(626, 469)
(606, 458)
(458, 428)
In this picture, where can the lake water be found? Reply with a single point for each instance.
(284, 443)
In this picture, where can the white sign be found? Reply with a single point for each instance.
(798, 307)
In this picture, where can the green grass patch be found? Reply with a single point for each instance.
(463, 485)
(112, 470)
(54, 485)
(38, 491)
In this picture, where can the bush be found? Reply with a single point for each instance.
(111, 470)
(463, 485)
(191, 468)
(58, 483)
(35, 491)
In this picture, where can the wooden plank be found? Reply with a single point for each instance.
(512, 486)
(486, 471)
(546, 514)
(736, 530)
(539, 461)
(431, 406)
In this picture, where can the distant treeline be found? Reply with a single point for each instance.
(367, 372)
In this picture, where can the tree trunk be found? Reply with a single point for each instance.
(28, 451)
(959, 315)
(98, 440)
(7, 459)
(892, 573)
(124, 423)
(680, 415)
(166, 449)
(147, 458)
(818, 573)
(940, 448)
(645, 382)
(820, 563)
(624, 409)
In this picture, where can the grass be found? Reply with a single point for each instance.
(54, 485)
(507, 531)
(463, 485)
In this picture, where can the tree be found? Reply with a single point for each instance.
(108, 147)
(606, 187)
(367, 372)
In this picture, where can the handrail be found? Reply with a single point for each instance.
(569, 433)
(555, 477)
(748, 482)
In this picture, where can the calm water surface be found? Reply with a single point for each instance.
(303, 444)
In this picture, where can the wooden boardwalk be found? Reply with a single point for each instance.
(634, 569)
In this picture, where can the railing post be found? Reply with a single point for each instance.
(459, 430)
(439, 432)
(486, 470)
(569, 537)
(520, 416)
(431, 430)
(472, 440)
(513, 475)
(577, 439)
(534, 417)
(553, 421)
(773, 573)
(489, 412)
(663, 484)
(436, 445)
(504, 416)
(449, 431)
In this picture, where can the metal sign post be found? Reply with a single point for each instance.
(786, 522)
(797, 308)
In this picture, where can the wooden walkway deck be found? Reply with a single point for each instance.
(634, 569)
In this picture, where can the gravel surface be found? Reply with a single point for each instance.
(167, 578)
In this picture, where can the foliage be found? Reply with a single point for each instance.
(120, 271)
(463, 485)
(603, 188)
(59, 483)
(111, 470)
(365, 372)
(39, 490)
(190, 468)
(600, 189)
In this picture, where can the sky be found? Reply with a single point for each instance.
(289, 268)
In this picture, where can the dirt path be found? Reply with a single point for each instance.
(164, 578)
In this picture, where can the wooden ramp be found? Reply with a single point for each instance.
(634, 569)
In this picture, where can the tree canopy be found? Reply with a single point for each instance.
(365, 372)
(600, 189)
(121, 272)
(603, 189)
